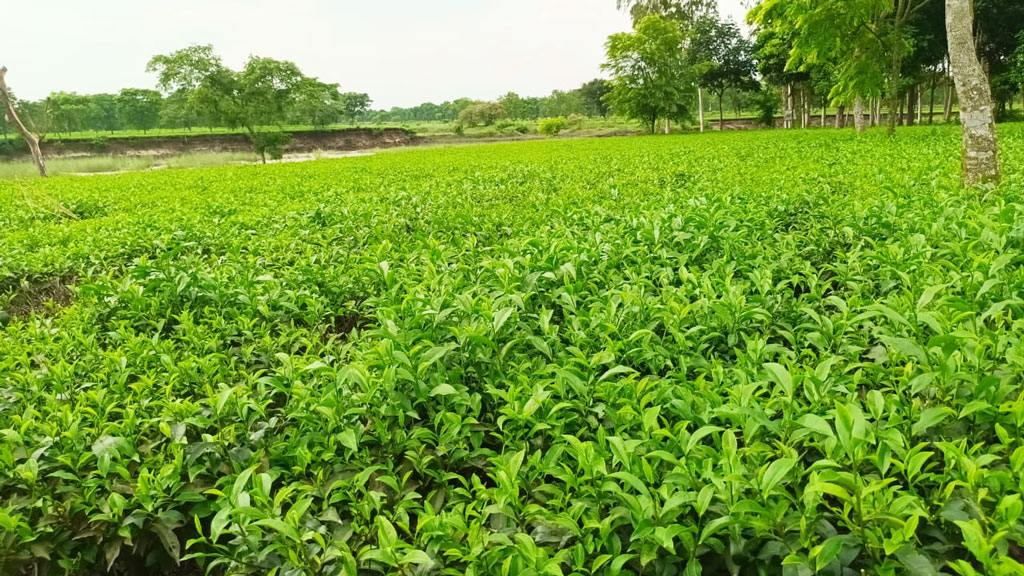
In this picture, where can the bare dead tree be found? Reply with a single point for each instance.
(11, 115)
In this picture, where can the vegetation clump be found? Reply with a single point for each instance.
(551, 127)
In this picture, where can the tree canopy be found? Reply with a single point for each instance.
(652, 78)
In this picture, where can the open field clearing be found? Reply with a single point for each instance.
(741, 353)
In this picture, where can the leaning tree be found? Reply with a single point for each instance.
(11, 115)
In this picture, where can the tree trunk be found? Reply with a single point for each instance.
(921, 103)
(947, 104)
(787, 121)
(12, 116)
(931, 105)
(824, 110)
(981, 148)
(858, 114)
(700, 105)
(911, 105)
(721, 112)
(841, 117)
(895, 65)
(805, 117)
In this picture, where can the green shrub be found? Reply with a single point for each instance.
(271, 144)
(551, 127)
(100, 143)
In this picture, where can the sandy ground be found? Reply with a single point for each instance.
(288, 158)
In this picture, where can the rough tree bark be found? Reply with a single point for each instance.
(12, 116)
(841, 117)
(981, 148)
(947, 103)
(858, 114)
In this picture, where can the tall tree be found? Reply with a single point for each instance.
(180, 75)
(354, 105)
(593, 94)
(138, 109)
(723, 58)
(685, 13)
(651, 76)
(259, 96)
(68, 111)
(981, 149)
(11, 116)
(316, 103)
(513, 106)
(103, 113)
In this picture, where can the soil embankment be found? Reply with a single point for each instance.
(302, 143)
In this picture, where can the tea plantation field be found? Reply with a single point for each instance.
(742, 353)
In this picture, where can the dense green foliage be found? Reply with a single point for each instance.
(894, 50)
(652, 76)
(757, 353)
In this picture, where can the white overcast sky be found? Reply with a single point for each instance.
(401, 52)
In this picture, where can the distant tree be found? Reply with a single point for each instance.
(354, 104)
(593, 95)
(178, 112)
(514, 106)
(181, 74)
(481, 113)
(9, 103)
(316, 103)
(138, 109)
(260, 95)
(68, 111)
(651, 76)
(562, 103)
(103, 113)
(723, 59)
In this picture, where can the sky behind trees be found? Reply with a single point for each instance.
(401, 52)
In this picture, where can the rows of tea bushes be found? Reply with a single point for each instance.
(748, 354)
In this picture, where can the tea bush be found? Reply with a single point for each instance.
(738, 353)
